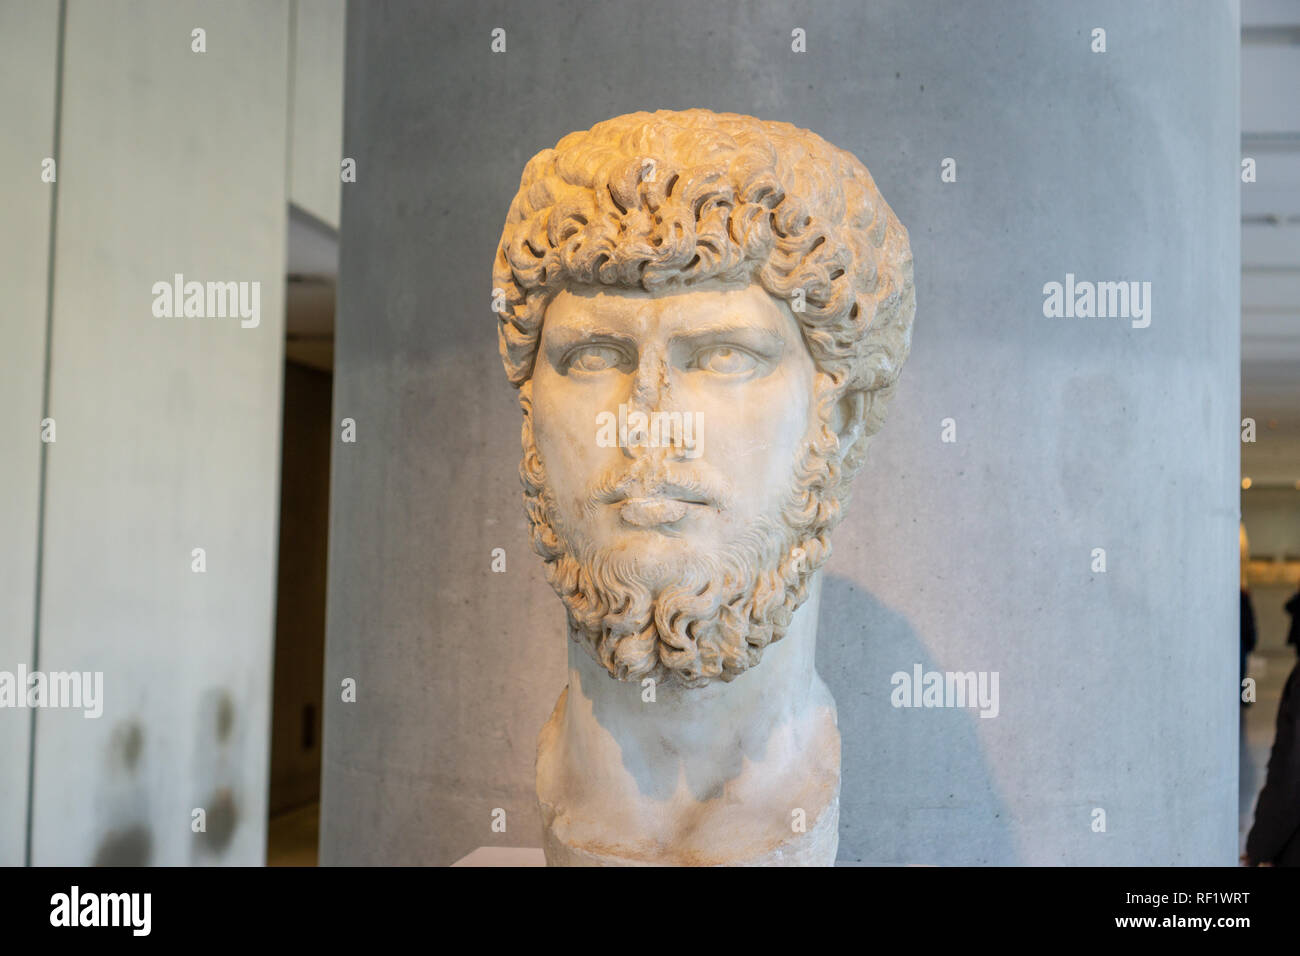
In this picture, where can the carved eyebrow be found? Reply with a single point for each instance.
(561, 341)
(754, 336)
(566, 338)
(762, 339)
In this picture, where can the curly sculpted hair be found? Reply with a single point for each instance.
(659, 201)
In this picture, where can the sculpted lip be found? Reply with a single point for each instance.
(690, 493)
(650, 512)
(657, 503)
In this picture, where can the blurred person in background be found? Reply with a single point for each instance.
(1274, 840)
(1248, 635)
(1293, 635)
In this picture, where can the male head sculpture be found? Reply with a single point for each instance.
(771, 228)
(705, 315)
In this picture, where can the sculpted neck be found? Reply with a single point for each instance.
(686, 729)
(716, 775)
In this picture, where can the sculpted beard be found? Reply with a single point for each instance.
(724, 606)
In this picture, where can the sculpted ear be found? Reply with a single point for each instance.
(849, 415)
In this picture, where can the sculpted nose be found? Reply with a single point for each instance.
(650, 383)
(642, 402)
(657, 428)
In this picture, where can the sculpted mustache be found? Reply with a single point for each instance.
(616, 487)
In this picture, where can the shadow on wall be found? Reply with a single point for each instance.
(915, 786)
(128, 837)
(220, 753)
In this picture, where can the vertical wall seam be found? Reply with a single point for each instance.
(290, 90)
(45, 413)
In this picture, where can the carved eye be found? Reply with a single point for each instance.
(594, 358)
(725, 360)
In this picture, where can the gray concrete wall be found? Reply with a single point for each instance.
(168, 429)
(1117, 688)
(28, 67)
(316, 130)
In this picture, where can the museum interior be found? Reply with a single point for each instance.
(290, 542)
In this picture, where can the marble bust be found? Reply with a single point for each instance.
(705, 315)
